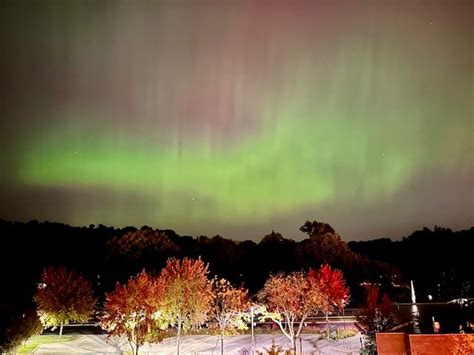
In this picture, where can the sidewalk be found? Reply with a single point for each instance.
(203, 344)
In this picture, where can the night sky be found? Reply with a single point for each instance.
(239, 117)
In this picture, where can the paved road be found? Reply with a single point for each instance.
(201, 344)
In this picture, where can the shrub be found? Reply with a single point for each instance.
(19, 327)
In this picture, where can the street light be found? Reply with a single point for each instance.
(251, 327)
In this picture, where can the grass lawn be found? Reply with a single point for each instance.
(32, 343)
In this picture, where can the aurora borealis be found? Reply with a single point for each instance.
(239, 117)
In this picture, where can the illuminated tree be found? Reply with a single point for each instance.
(290, 299)
(63, 296)
(333, 289)
(133, 310)
(375, 317)
(229, 307)
(188, 294)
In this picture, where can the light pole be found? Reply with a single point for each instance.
(251, 327)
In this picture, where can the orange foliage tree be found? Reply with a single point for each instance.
(229, 307)
(188, 294)
(333, 289)
(133, 310)
(290, 299)
(63, 296)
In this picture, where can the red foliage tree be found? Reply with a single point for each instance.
(188, 294)
(290, 299)
(133, 310)
(374, 317)
(333, 288)
(229, 307)
(63, 296)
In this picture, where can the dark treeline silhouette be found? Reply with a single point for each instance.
(106, 255)
(439, 261)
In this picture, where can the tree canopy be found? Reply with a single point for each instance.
(290, 299)
(64, 296)
(188, 294)
(134, 310)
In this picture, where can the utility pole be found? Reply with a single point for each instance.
(251, 326)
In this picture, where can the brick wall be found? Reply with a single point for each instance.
(416, 344)
(393, 343)
(432, 344)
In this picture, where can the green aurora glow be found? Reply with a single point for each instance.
(352, 121)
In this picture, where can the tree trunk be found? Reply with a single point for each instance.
(178, 335)
(61, 329)
(222, 344)
(134, 344)
(294, 345)
(289, 334)
(327, 324)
